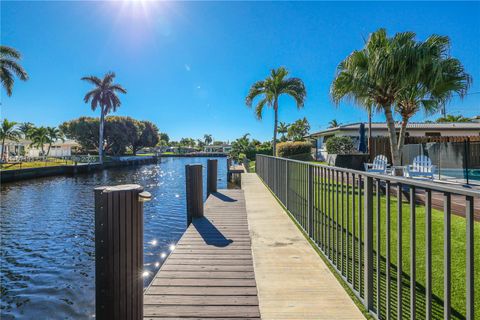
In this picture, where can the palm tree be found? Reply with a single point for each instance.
(241, 145)
(53, 134)
(103, 95)
(452, 118)
(26, 128)
(283, 129)
(270, 90)
(40, 137)
(8, 130)
(9, 67)
(333, 123)
(433, 79)
(207, 138)
(389, 74)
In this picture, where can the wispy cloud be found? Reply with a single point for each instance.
(187, 67)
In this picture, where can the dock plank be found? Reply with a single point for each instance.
(210, 273)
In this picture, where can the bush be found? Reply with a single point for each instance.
(288, 149)
(302, 157)
(259, 150)
(340, 145)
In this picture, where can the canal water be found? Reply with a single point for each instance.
(47, 235)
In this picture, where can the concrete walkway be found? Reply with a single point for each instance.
(293, 282)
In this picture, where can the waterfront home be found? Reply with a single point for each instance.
(23, 148)
(379, 129)
(221, 148)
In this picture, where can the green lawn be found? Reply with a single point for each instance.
(251, 166)
(36, 164)
(319, 162)
(458, 249)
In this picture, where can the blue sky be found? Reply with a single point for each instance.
(187, 66)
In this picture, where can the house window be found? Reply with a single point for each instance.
(433, 134)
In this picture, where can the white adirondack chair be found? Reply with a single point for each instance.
(421, 167)
(380, 164)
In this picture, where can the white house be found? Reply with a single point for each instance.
(23, 148)
(414, 129)
(222, 148)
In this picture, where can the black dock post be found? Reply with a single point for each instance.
(212, 166)
(194, 188)
(119, 252)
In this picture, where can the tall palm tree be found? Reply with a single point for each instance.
(25, 128)
(8, 130)
(388, 74)
(434, 78)
(283, 129)
(207, 138)
(270, 90)
(453, 118)
(53, 134)
(40, 138)
(333, 123)
(9, 67)
(103, 95)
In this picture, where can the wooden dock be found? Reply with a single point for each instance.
(210, 273)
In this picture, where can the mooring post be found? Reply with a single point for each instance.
(229, 164)
(194, 188)
(212, 166)
(119, 252)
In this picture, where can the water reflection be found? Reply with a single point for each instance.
(47, 244)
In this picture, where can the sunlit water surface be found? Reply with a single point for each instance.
(47, 257)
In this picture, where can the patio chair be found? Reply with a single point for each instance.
(421, 167)
(379, 165)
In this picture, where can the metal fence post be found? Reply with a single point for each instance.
(368, 244)
(119, 252)
(469, 213)
(310, 200)
(194, 188)
(287, 163)
(212, 165)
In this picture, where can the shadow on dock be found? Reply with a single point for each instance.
(209, 233)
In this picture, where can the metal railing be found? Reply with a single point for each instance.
(376, 232)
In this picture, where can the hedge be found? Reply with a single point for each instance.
(252, 153)
(340, 145)
(288, 149)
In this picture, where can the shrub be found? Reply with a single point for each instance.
(288, 149)
(259, 150)
(340, 145)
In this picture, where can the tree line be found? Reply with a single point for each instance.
(121, 134)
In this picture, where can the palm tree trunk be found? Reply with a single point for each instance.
(3, 148)
(275, 108)
(100, 135)
(393, 136)
(369, 128)
(48, 150)
(401, 136)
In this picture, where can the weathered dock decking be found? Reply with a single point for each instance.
(293, 281)
(210, 273)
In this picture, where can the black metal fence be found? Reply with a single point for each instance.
(385, 236)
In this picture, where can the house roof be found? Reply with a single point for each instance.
(410, 126)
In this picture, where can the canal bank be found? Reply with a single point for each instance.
(32, 173)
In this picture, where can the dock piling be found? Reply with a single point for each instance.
(212, 166)
(119, 251)
(194, 188)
